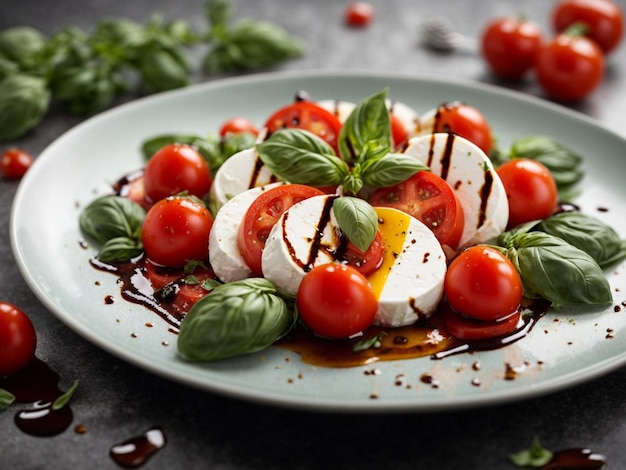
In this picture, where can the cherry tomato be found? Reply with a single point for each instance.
(468, 329)
(309, 116)
(510, 46)
(18, 340)
(336, 301)
(427, 197)
(261, 217)
(482, 284)
(15, 162)
(238, 125)
(570, 67)
(186, 293)
(176, 168)
(604, 18)
(466, 121)
(365, 262)
(358, 14)
(176, 230)
(530, 188)
(399, 134)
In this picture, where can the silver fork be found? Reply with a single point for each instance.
(439, 34)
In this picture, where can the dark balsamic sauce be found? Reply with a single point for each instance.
(37, 384)
(136, 451)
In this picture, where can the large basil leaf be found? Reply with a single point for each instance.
(115, 223)
(553, 269)
(298, 156)
(366, 134)
(357, 220)
(589, 234)
(234, 319)
(390, 170)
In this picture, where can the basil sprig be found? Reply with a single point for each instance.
(115, 223)
(588, 233)
(555, 270)
(6, 399)
(238, 318)
(357, 220)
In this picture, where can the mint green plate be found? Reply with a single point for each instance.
(565, 348)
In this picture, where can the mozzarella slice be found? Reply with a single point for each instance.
(240, 172)
(406, 115)
(471, 175)
(300, 240)
(224, 253)
(409, 283)
(339, 108)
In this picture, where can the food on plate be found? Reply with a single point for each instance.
(329, 222)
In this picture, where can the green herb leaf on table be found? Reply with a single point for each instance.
(24, 100)
(357, 220)
(535, 456)
(64, 399)
(6, 399)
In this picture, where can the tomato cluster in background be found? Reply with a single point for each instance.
(569, 65)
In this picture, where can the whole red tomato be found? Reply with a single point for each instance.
(530, 189)
(604, 18)
(466, 121)
(510, 46)
(18, 340)
(15, 162)
(570, 67)
(359, 14)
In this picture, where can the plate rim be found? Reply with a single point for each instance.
(306, 403)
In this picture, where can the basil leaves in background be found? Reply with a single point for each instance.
(238, 318)
(115, 223)
(86, 72)
(561, 259)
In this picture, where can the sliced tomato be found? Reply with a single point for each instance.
(469, 329)
(399, 134)
(261, 217)
(365, 262)
(430, 199)
(309, 116)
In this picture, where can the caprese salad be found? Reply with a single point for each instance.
(349, 221)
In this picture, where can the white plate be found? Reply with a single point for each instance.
(80, 164)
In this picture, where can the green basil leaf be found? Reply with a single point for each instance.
(6, 399)
(150, 146)
(24, 101)
(367, 131)
(535, 456)
(22, 44)
(218, 14)
(589, 234)
(553, 269)
(251, 45)
(109, 217)
(299, 156)
(390, 170)
(357, 220)
(352, 184)
(163, 69)
(120, 249)
(64, 399)
(238, 318)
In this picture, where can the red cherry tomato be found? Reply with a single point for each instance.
(359, 14)
(365, 262)
(482, 284)
(428, 198)
(309, 116)
(570, 67)
(186, 294)
(15, 162)
(604, 18)
(238, 125)
(399, 134)
(176, 230)
(336, 301)
(530, 188)
(510, 46)
(18, 339)
(261, 217)
(466, 121)
(468, 329)
(176, 168)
